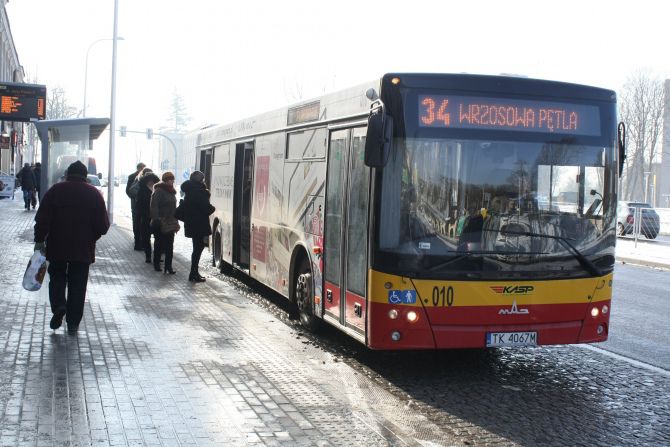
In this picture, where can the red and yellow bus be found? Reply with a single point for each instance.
(427, 211)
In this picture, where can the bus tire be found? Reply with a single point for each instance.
(304, 297)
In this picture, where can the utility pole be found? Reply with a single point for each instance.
(112, 120)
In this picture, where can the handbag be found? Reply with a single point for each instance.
(35, 271)
(134, 189)
(180, 211)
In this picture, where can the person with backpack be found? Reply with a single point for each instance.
(28, 183)
(131, 192)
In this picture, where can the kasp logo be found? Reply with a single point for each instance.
(513, 290)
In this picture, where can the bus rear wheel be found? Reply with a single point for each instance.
(304, 298)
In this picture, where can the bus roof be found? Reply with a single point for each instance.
(352, 102)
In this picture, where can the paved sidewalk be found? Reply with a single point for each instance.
(161, 361)
(648, 253)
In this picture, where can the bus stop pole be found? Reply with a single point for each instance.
(112, 119)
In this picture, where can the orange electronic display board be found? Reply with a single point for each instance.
(469, 112)
(22, 102)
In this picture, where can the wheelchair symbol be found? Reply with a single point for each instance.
(394, 297)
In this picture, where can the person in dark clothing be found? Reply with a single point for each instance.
(472, 230)
(37, 170)
(146, 187)
(196, 222)
(26, 177)
(163, 205)
(132, 178)
(71, 218)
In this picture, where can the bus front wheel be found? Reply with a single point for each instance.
(304, 297)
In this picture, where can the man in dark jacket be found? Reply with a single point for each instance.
(132, 178)
(26, 177)
(143, 203)
(196, 220)
(71, 218)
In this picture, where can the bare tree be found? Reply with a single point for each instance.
(295, 93)
(641, 108)
(178, 117)
(57, 105)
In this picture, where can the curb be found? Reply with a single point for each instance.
(642, 262)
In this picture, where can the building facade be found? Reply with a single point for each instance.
(12, 134)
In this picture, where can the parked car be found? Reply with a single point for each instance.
(95, 181)
(650, 222)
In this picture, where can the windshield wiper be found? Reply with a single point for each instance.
(583, 261)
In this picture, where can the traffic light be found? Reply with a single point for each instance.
(122, 131)
(150, 134)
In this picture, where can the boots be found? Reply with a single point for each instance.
(194, 276)
(168, 264)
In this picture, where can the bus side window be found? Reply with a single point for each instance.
(307, 144)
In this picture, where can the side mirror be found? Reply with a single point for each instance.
(378, 141)
(100, 175)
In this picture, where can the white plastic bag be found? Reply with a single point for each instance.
(34, 275)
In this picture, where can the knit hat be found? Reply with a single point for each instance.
(77, 169)
(197, 176)
(167, 175)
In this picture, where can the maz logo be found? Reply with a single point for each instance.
(513, 311)
(513, 290)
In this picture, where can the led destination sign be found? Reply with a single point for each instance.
(467, 112)
(22, 102)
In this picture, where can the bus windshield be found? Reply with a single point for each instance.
(487, 208)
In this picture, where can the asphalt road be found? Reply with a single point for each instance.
(640, 315)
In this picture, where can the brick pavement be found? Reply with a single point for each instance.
(161, 361)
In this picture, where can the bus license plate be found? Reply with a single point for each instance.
(498, 339)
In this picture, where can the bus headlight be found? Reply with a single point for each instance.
(605, 309)
(412, 316)
(393, 314)
(595, 312)
(395, 336)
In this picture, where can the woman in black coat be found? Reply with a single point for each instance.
(143, 204)
(196, 219)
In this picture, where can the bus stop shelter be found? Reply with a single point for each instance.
(64, 142)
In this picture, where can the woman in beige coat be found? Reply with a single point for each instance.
(163, 222)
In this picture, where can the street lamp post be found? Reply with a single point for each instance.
(646, 184)
(83, 110)
(112, 120)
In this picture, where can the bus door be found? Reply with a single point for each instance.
(244, 173)
(206, 166)
(346, 230)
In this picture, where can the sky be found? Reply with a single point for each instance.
(230, 60)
